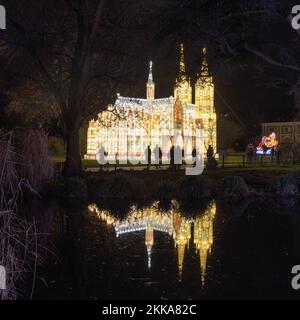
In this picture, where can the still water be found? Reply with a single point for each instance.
(222, 250)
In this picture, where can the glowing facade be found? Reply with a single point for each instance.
(125, 129)
(286, 132)
(152, 220)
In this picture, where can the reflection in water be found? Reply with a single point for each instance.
(100, 254)
(183, 231)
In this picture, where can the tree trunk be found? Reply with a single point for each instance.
(72, 166)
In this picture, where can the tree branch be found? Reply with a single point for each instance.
(269, 60)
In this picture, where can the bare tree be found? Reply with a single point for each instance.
(240, 34)
(79, 52)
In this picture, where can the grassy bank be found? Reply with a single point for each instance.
(166, 184)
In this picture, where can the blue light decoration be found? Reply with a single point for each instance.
(268, 145)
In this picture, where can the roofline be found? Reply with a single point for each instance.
(280, 122)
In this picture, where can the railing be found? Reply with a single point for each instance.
(224, 161)
(241, 160)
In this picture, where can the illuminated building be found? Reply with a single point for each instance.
(152, 220)
(286, 132)
(126, 128)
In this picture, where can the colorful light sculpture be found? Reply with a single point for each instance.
(268, 145)
(131, 124)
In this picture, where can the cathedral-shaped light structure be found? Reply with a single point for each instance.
(130, 125)
(179, 228)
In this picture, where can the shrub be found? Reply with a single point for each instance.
(75, 188)
(38, 167)
(235, 186)
(54, 188)
(193, 188)
(164, 189)
(96, 186)
(68, 188)
(237, 207)
(192, 210)
(57, 146)
(18, 237)
(123, 186)
(288, 184)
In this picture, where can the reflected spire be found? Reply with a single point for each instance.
(203, 260)
(149, 241)
(171, 223)
(203, 238)
(180, 256)
(149, 256)
(182, 238)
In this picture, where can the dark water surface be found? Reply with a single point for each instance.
(244, 250)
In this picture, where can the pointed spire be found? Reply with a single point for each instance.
(150, 88)
(182, 63)
(150, 78)
(182, 87)
(204, 66)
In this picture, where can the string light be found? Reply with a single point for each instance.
(131, 124)
(170, 222)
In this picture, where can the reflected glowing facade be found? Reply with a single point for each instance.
(152, 220)
(126, 128)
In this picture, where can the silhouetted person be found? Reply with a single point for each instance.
(210, 152)
(178, 157)
(156, 156)
(211, 161)
(172, 158)
(160, 157)
(194, 155)
(148, 157)
(106, 162)
(101, 156)
(250, 152)
(116, 161)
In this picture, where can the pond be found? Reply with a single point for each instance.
(222, 250)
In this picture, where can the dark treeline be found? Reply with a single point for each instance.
(64, 61)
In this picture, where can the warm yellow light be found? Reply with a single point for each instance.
(171, 222)
(131, 124)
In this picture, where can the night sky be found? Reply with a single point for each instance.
(254, 91)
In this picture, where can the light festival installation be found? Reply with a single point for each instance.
(179, 228)
(127, 128)
(268, 145)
